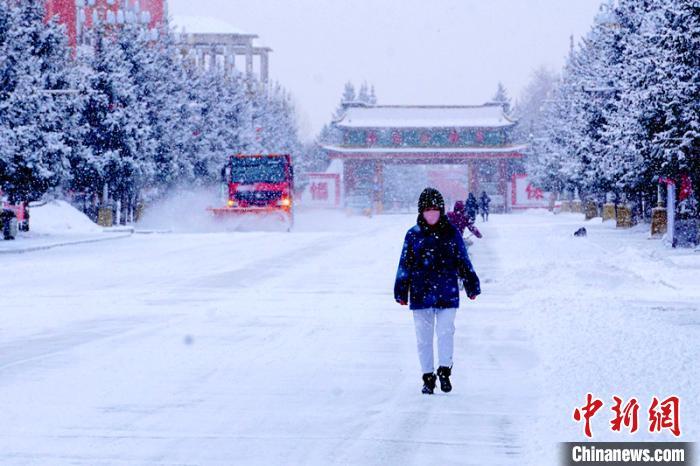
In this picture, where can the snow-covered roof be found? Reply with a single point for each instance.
(204, 25)
(425, 116)
(426, 150)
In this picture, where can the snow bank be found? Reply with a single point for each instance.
(59, 217)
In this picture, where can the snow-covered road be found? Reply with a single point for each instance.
(275, 348)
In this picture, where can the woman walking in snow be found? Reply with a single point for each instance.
(433, 259)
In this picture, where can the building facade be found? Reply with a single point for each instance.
(210, 43)
(79, 16)
(207, 43)
(476, 141)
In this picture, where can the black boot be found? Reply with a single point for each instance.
(428, 383)
(444, 374)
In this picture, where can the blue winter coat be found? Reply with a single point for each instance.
(472, 206)
(432, 261)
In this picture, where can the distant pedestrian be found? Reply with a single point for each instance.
(433, 260)
(472, 207)
(458, 217)
(484, 202)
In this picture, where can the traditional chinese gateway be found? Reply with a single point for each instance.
(478, 138)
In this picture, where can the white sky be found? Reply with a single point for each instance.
(413, 51)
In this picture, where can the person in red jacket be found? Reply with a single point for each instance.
(459, 218)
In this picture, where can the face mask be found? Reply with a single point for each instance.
(431, 216)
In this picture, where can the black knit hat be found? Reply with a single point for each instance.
(431, 197)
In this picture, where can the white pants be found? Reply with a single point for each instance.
(424, 320)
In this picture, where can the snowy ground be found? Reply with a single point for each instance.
(275, 348)
(55, 224)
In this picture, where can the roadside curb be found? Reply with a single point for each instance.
(109, 237)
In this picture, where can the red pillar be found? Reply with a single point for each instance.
(502, 176)
(378, 187)
(349, 176)
(473, 177)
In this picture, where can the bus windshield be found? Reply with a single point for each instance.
(248, 170)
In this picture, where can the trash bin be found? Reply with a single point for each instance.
(9, 224)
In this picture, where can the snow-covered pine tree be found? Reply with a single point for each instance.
(4, 21)
(372, 96)
(34, 64)
(169, 112)
(546, 152)
(628, 154)
(157, 86)
(210, 152)
(224, 109)
(5, 148)
(363, 94)
(347, 97)
(113, 123)
(530, 105)
(275, 122)
(238, 108)
(501, 96)
(598, 59)
(149, 109)
(348, 93)
(554, 161)
(677, 73)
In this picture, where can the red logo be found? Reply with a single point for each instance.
(591, 407)
(663, 415)
(533, 193)
(319, 191)
(627, 415)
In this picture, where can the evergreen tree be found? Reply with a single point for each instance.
(347, 97)
(502, 98)
(222, 121)
(677, 73)
(33, 123)
(348, 93)
(113, 124)
(372, 96)
(148, 107)
(530, 106)
(363, 95)
(555, 162)
(628, 155)
(598, 59)
(131, 113)
(276, 122)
